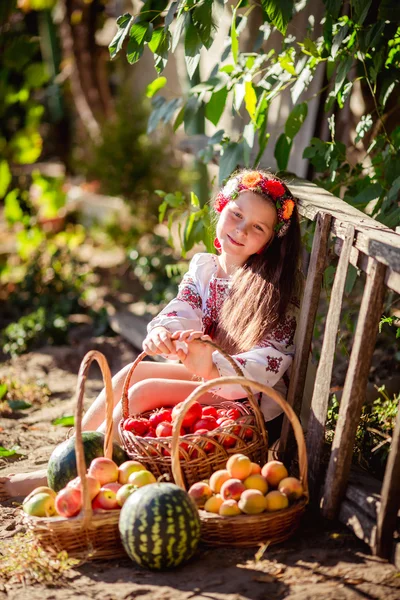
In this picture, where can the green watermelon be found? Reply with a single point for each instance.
(159, 526)
(62, 463)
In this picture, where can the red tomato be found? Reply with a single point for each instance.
(221, 412)
(164, 429)
(233, 413)
(233, 427)
(206, 422)
(158, 416)
(137, 425)
(151, 433)
(192, 415)
(222, 420)
(207, 446)
(248, 434)
(210, 411)
(227, 441)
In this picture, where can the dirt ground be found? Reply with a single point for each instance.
(323, 560)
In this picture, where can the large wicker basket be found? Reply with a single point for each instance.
(196, 463)
(88, 535)
(247, 530)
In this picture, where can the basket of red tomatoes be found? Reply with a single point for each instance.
(209, 434)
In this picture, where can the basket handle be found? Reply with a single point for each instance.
(235, 366)
(271, 392)
(108, 438)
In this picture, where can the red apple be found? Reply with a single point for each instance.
(221, 420)
(191, 416)
(206, 422)
(104, 470)
(210, 411)
(69, 501)
(92, 483)
(164, 429)
(158, 416)
(114, 486)
(105, 499)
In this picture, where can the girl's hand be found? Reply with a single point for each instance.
(158, 341)
(198, 359)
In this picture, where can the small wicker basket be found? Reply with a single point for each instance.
(197, 464)
(246, 530)
(89, 535)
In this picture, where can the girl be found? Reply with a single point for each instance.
(243, 299)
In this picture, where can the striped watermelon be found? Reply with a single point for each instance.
(159, 526)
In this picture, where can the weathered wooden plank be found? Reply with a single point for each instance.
(354, 390)
(319, 403)
(306, 322)
(363, 525)
(390, 497)
(364, 491)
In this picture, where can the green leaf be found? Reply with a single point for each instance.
(389, 11)
(159, 45)
(360, 10)
(4, 452)
(141, 32)
(156, 85)
(343, 68)
(333, 7)
(338, 39)
(12, 210)
(170, 14)
(179, 119)
(239, 91)
(250, 99)
(18, 404)
(351, 278)
(231, 157)
(279, 12)
(3, 390)
(234, 38)
(180, 24)
(133, 51)
(124, 22)
(193, 46)
(5, 177)
(26, 146)
(296, 120)
(215, 106)
(36, 75)
(282, 151)
(64, 421)
(363, 126)
(301, 84)
(203, 21)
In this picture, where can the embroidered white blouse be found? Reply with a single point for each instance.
(197, 306)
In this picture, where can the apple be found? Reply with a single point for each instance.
(105, 499)
(233, 413)
(104, 470)
(164, 429)
(124, 492)
(69, 501)
(40, 504)
(191, 416)
(114, 486)
(93, 485)
(206, 445)
(141, 478)
(128, 467)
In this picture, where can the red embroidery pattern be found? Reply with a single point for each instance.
(274, 363)
(173, 313)
(217, 294)
(188, 293)
(285, 330)
(241, 361)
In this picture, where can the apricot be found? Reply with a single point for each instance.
(200, 492)
(256, 482)
(141, 478)
(229, 508)
(255, 468)
(239, 466)
(274, 471)
(276, 501)
(252, 502)
(213, 504)
(291, 487)
(217, 479)
(232, 489)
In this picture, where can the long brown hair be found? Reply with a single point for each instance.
(261, 291)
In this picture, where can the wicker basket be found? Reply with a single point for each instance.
(247, 530)
(86, 536)
(197, 464)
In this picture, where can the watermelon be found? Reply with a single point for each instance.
(159, 526)
(62, 468)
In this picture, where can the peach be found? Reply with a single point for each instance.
(256, 482)
(103, 469)
(141, 478)
(232, 489)
(92, 483)
(229, 508)
(276, 501)
(274, 471)
(239, 466)
(128, 467)
(252, 502)
(255, 469)
(40, 504)
(106, 499)
(291, 487)
(69, 501)
(217, 479)
(213, 504)
(124, 492)
(200, 492)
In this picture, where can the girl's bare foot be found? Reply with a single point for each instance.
(19, 485)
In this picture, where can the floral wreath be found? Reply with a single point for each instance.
(261, 184)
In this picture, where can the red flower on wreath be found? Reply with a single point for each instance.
(220, 202)
(274, 188)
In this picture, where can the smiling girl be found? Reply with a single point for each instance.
(244, 299)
